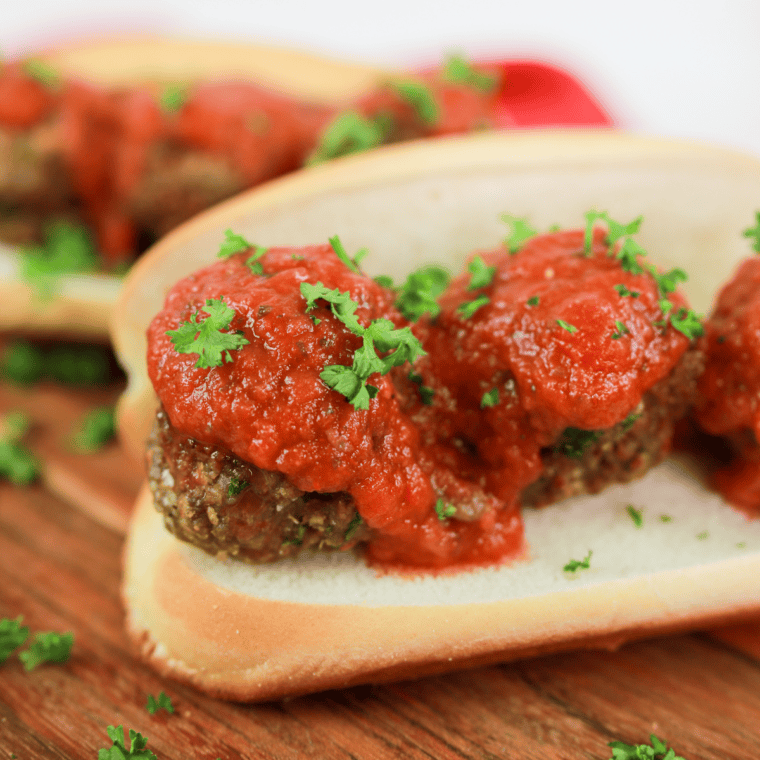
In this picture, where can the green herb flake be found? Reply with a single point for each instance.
(567, 326)
(205, 337)
(753, 233)
(420, 292)
(491, 398)
(353, 527)
(620, 330)
(519, 232)
(481, 276)
(385, 281)
(17, 463)
(629, 421)
(47, 647)
(340, 252)
(12, 636)
(444, 510)
(615, 230)
(252, 262)
(657, 750)
(96, 428)
(22, 363)
(163, 702)
(457, 70)
(119, 750)
(468, 308)
(578, 564)
(533, 301)
(173, 97)
(349, 132)
(666, 518)
(741, 545)
(574, 442)
(623, 291)
(688, 322)
(426, 394)
(703, 535)
(232, 244)
(42, 71)
(635, 514)
(236, 487)
(420, 97)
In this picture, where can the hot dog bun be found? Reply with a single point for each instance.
(254, 634)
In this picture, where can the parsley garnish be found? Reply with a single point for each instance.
(162, 703)
(381, 335)
(236, 487)
(457, 70)
(444, 510)
(629, 421)
(578, 564)
(420, 292)
(22, 363)
(420, 97)
(340, 252)
(120, 751)
(353, 526)
(95, 429)
(17, 463)
(349, 132)
(567, 326)
(666, 518)
(173, 97)
(233, 243)
(519, 232)
(491, 398)
(532, 301)
(47, 647)
(481, 276)
(468, 308)
(658, 750)
(12, 636)
(574, 442)
(754, 233)
(635, 515)
(206, 338)
(68, 248)
(253, 263)
(621, 330)
(687, 322)
(43, 72)
(426, 394)
(623, 291)
(615, 230)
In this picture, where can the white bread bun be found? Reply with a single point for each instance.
(259, 633)
(82, 304)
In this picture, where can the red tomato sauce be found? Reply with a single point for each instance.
(728, 388)
(401, 458)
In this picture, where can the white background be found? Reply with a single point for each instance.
(679, 68)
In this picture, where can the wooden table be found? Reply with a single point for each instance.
(60, 569)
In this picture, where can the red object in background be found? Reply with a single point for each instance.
(538, 94)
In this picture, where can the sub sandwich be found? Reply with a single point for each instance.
(364, 479)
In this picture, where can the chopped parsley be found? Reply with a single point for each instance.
(620, 330)
(47, 647)
(298, 540)
(657, 750)
(444, 510)
(163, 702)
(173, 97)
(232, 244)
(519, 232)
(623, 291)
(481, 276)
(567, 326)
(419, 294)
(42, 71)
(574, 442)
(119, 750)
(17, 463)
(340, 252)
(754, 233)
(349, 132)
(629, 421)
(236, 487)
(95, 429)
(532, 301)
(253, 263)
(12, 636)
(491, 398)
(68, 249)
(426, 394)
(635, 514)
(666, 518)
(468, 308)
(353, 526)
(458, 70)
(688, 323)
(615, 230)
(578, 564)
(381, 335)
(205, 337)
(22, 363)
(420, 97)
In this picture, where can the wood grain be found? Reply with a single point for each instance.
(60, 565)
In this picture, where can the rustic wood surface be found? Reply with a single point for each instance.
(60, 557)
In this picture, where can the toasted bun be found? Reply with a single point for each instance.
(259, 633)
(82, 304)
